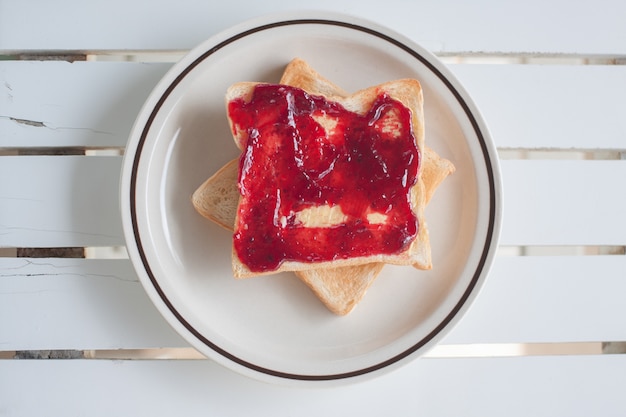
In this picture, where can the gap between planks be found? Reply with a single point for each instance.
(437, 352)
(562, 154)
(56, 151)
(174, 55)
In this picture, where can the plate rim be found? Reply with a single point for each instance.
(179, 71)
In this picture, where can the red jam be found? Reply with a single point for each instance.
(364, 164)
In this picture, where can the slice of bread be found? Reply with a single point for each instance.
(340, 289)
(406, 91)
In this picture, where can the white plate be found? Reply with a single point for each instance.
(273, 328)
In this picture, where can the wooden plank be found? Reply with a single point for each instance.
(73, 201)
(550, 106)
(548, 299)
(534, 26)
(60, 201)
(94, 104)
(99, 304)
(77, 304)
(87, 105)
(538, 386)
(538, 194)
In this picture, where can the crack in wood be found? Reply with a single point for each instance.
(28, 122)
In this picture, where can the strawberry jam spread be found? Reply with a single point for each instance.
(305, 152)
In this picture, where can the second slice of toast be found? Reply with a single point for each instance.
(341, 288)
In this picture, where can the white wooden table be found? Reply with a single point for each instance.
(544, 336)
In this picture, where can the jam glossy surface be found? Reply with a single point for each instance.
(304, 152)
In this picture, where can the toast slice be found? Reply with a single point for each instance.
(391, 112)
